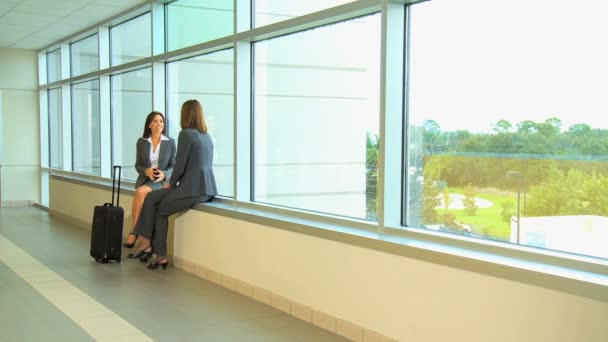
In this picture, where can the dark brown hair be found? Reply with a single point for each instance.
(193, 116)
(149, 118)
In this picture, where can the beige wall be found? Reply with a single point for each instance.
(405, 299)
(78, 201)
(19, 128)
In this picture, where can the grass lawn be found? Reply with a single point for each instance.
(487, 221)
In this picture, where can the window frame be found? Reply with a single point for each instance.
(114, 25)
(390, 225)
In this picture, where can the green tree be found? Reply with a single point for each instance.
(470, 206)
(527, 127)
(446, 197)
(507, 210)
(430, 201)
(448, 220)
(572, 192)
(502, 126)
(371, 175)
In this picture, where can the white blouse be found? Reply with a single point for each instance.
(154, 154)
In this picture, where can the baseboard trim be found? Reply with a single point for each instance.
(40, 206)
(69, 219)
(323, 320)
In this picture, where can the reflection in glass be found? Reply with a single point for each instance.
(86, 143)
(84, 55)
(272, 11)
(131, 103)
(316, 118)
(208, 79)
(508, 137)
(131, 40)
(191, 22)
(55, 129)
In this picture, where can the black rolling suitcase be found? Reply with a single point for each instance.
(106, 235)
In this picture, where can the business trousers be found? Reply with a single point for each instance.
(153, 223)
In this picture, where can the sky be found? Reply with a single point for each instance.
(475, 62)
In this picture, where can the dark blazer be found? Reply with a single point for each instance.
(193, 167)
(166, 159)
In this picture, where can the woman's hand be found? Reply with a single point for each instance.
(167, 186)
(160, 176)
(150, 173)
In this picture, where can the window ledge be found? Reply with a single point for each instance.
(565, 279)
(517, 263)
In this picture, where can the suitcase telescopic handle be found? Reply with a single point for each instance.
(114, 184)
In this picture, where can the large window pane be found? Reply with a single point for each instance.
(131, 40)
(84, 55)
(53, 66)
(55, 129)
(131, 103)
(316, 118)
(86, 144)
(272, 11)
(191, 22)
(208, 79)
(508, 135)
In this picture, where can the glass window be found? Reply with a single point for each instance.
(53, 66)
(208, 79)
(508, 132)
(86, 145)
(316, 117)
(55, 129)
(191, 22)
(272, 11)
(131, 103)
(131, 40)
(84, 55)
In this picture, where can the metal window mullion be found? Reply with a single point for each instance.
(103, 40)
(159, 93)
(42, 68)
(65, 61)
(243, 175)
(158, 28)
(159, 86)
(66, 125)
(389, 194)
(44, 137)
(44, 128)
(105, 123)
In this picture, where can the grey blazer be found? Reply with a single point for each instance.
(166, 159)
(193, 167)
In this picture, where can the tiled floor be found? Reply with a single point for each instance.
(51, 290)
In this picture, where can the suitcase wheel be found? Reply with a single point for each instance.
(102, 260)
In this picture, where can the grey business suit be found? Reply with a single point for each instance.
(192, 182)
(166, 159)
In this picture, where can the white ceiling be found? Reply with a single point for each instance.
(34, 24)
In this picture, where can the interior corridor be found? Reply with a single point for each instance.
(52, 290)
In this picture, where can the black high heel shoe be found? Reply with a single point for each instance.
(157, 262)
(130, 245)
(145, 252)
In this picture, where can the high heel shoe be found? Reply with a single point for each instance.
(157, 262)
(130, 245)
(147, 251)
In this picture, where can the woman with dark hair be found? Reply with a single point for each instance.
(192, 182)
(154, 161)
